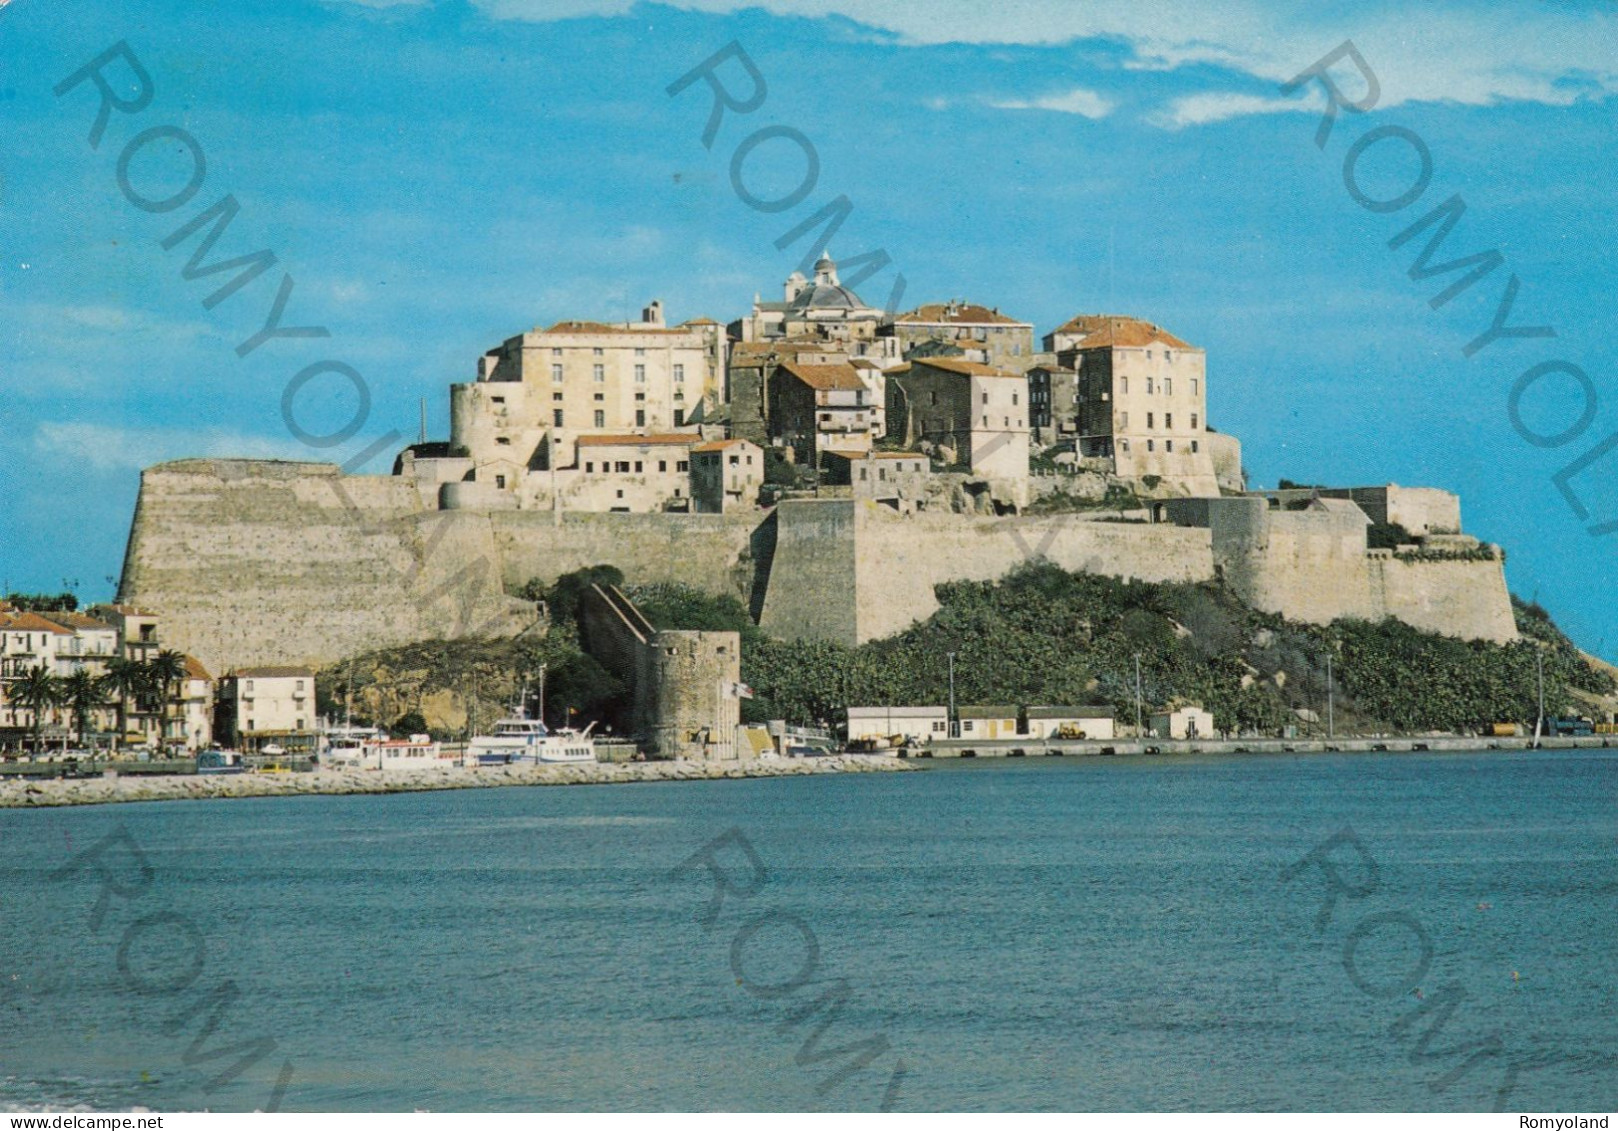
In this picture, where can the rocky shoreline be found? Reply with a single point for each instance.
(21, 793)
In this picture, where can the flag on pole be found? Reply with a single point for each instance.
(738, 690)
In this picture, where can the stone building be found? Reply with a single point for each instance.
(1053, 394)
(263, 706)
(1141, 401)
(896, 479)
(751, 370)
(635, 473)
(999, 339)
(816, 409)
(978, 412)
(819, 308)
(538, 392)
(726, 475)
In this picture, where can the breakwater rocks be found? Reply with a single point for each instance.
(16, 794)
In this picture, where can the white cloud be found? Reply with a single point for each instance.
(1086, 103)
(1201, 109)
(1443, 52)
(106, 448)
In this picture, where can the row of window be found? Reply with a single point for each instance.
(622, 466)
(1166, 383)
(1151, 421)
(598, 373)
(1151, 446)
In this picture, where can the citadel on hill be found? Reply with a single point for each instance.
(824, 461)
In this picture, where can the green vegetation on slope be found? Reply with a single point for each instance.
(1040, 636)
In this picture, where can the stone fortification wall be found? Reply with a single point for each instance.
(257, 562)
(711, 552)
(853, 570)
(251, 562)
(1459, 598)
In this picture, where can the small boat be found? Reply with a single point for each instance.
(217, 761)
(519, 739)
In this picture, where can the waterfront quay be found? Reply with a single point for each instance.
(1027, 747)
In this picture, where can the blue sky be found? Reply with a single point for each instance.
(437, 177)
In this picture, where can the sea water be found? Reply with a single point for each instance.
(1099, 933)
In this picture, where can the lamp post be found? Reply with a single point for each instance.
(953, 729)
(1137, 696)
(1331, 722)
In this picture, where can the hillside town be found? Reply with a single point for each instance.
(953, 408)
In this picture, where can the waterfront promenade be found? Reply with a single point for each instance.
(111, 788)
(1024, 746)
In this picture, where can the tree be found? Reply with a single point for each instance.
(83, 693)
(37, 690)
(411, 722)
(124, 679)
(167, 671)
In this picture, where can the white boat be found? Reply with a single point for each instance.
(417, 752)
(518, 739)
(345, 745)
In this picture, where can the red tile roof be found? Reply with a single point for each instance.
(839, 376)
(719, 445)
(273, 672)
(1103, 331)
(195, 670)
(957, 313)
(961, 365)
(579, 327)
(78, 620)
(30, 622)
(652, 439)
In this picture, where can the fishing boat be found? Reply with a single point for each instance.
(217, 761)
(518, 739)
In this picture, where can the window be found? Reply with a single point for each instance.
(599, 372)
(985, 398)
(1123, 385)
(601, 396)
(735, 461)
(622, 468)
(556, 351)
(679, 373)
(556, 396)
(679, 417)
(589, 468)
(1193, 386)
(1148, 386)
(601, 419)
(1168, 355)
(503, 441)
(1013, 400)
(1168, 386)
(640, 375)
(640, 351)
(637, 467)
(1168, 445)
(500, 481)
(683, 465)
(556, 374)
(640, 396)
(1148, 420)
(1193, 447)
(1168, 420)
(662, 465)
(1148, 445)
(556, 418)
(597, 351)
(249, 687)
(498, 400)
(640, 418)
(1123, 420)
(1193, 422)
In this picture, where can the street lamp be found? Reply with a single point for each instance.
(954, 729)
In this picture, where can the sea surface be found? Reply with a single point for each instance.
(1104, 933)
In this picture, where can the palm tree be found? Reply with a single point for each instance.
(83, 693)
(168, 670)
(36, 690)
(124, 678)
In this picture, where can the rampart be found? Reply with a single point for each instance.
(251, 562)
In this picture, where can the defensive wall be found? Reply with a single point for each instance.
(254, 562)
